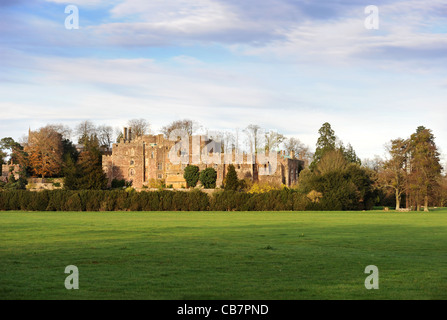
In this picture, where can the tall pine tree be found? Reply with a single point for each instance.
(325, 143)
(425, 166)
(231, 181)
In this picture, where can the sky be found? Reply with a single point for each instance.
(285, 65)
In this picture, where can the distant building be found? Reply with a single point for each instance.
(144, 158)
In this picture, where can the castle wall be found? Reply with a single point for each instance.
(146, 159)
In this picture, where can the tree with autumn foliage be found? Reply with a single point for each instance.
(393, 174)
(45, 150)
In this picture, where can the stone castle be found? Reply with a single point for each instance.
(147, 158)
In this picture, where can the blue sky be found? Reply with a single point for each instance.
(287, 65)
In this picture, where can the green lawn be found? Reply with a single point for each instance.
(221, 255)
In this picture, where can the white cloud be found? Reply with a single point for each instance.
(89, 3)
(345, 74)
(180, 17)
(221, 97)
(405, 35)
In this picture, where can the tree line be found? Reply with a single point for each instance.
(413, 171)
(50, 152)
(335, 178)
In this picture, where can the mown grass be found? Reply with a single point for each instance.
(221, 255)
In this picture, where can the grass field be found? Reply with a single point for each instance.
(221, 255)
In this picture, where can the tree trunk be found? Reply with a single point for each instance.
(407, 198)
(397, 200)
(418, 204)
(426, 204)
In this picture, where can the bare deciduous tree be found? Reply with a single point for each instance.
(64, 130)
(299, 148)
(374, 164)
(189, 126)
(105, 135)
(85, 130)
(254, 137)
(273, 140)
(140, 127)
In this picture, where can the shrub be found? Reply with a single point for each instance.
(73, 203)
(231, 180)
(262, 187)
(191, 175)
(315, 196)
(346, 188)
(197, 200)
(244, 184)
(208, 178)
(156, 183)
(118, 184)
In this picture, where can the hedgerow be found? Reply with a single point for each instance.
(165, 200)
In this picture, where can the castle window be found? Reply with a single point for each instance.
(160, 176)
(160, 166)
(152, 155)
(131, 172)
(132, 162)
